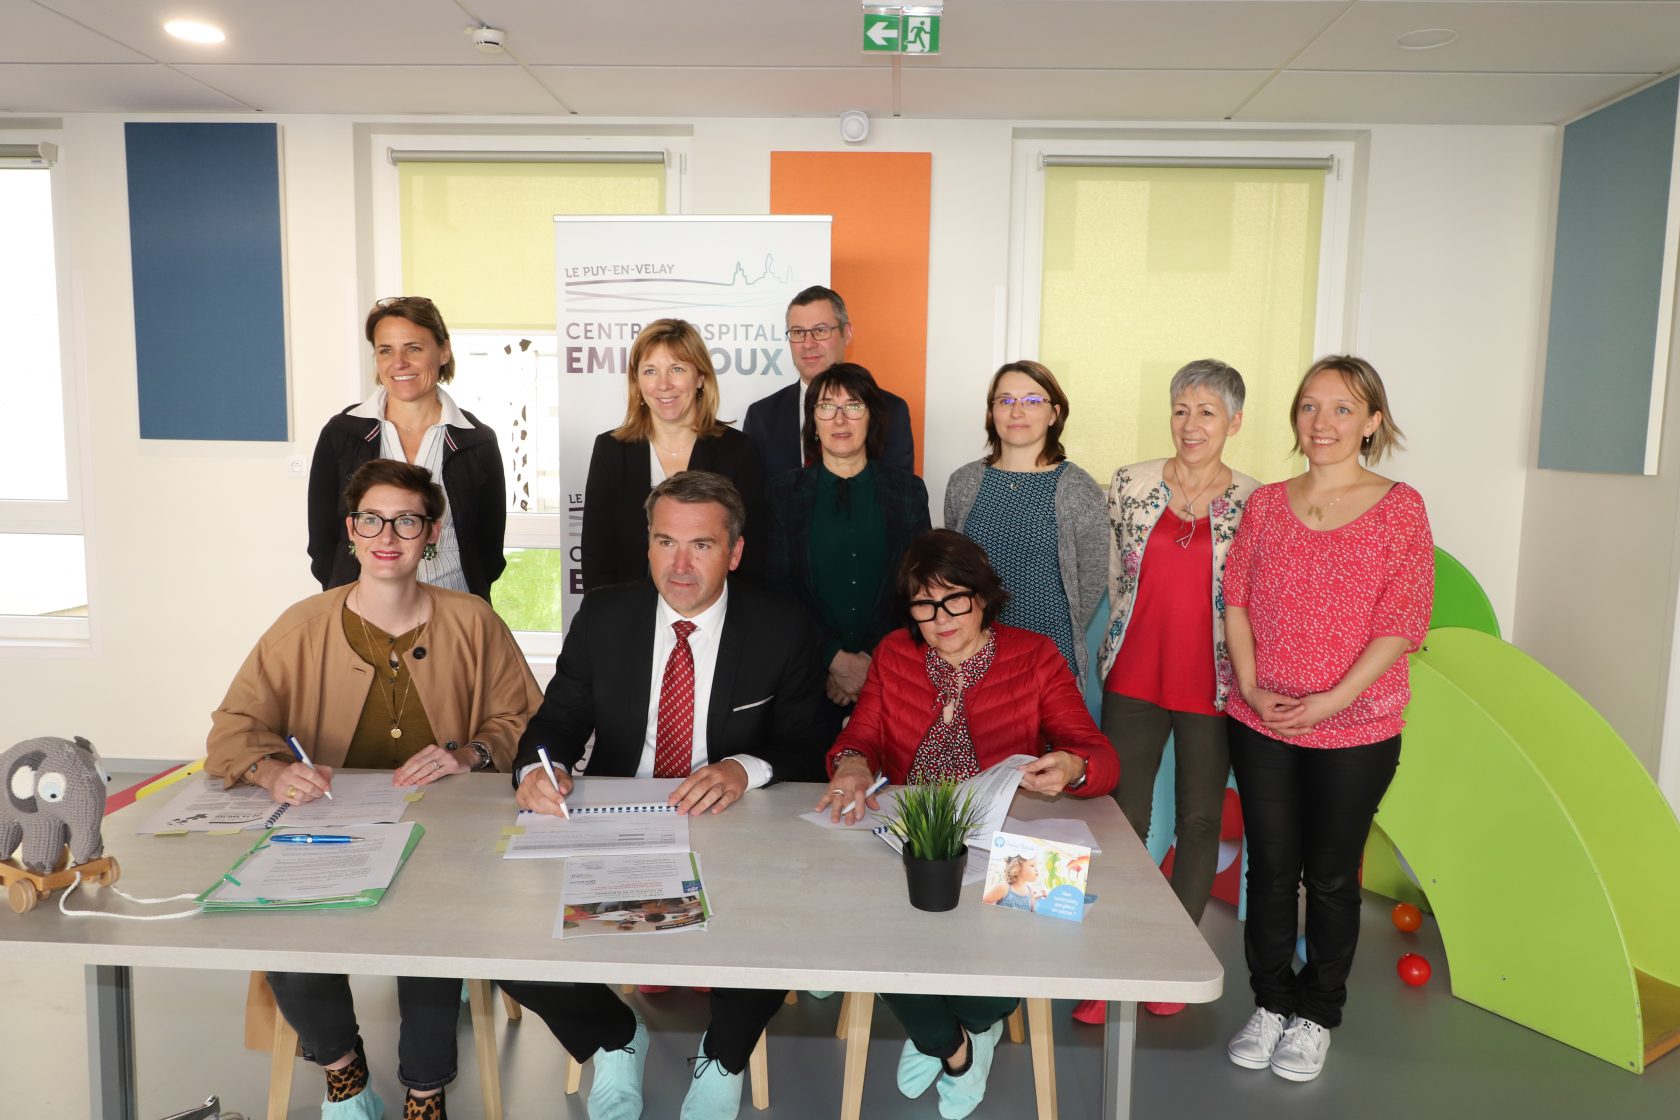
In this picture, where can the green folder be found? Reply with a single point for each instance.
(209, 903)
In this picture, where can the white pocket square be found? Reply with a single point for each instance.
(755, 703)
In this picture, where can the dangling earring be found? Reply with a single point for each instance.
(429, 552)
(351, 545)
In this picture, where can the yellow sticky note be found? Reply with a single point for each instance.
(514, 830)
(501, 845)
(414, 797)
(177, 832)
(224, 832)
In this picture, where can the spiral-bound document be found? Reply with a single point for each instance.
(609, 816)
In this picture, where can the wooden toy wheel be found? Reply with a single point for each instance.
(23, 896)
(111, 874)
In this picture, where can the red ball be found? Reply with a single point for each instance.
(1407, 918)
(1414, 970)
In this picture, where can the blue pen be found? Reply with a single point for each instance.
(297, 749)
(306, 838)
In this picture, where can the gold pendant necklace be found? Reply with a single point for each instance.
(392, 704)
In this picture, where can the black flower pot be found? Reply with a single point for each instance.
(935, 884)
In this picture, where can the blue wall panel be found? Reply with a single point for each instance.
(1606, 278)
(209, 310)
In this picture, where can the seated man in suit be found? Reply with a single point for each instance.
(818, 333)
(682, 677)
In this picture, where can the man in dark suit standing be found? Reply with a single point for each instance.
(818, 332)
(681, 677)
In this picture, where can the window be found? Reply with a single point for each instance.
(1141, 268)
(476, 235)
(43, 598)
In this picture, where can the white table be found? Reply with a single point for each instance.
(797, 907)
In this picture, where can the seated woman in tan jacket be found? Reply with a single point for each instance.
(376, 675)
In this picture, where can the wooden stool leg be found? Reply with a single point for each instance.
(1017, 1026)
(758, 1067)
(282, 1057)
(792, 997)
(514, 1011)
(574, 1075)
(845, 1013)
(484, 1045)
(626, 989)
(1043, 1057)
(856, 1012)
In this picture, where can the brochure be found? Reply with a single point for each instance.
(1038, 876)
(607, 895)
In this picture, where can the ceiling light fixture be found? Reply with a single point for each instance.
(194, 32)
(1426, 40)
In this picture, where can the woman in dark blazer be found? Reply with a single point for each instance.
(839, 528)
(670, 425)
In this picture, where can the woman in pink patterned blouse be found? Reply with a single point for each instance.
(1328, 586)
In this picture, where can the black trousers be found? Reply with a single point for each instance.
(1139, 730)
(318, 1006)
(1306, 812)
(590, 1017)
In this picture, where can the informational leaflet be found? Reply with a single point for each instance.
(325, 875)
(1038, 876)
(204, 806)
(653, 893)
(609, 816)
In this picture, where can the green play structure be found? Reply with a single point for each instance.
(1542, 846)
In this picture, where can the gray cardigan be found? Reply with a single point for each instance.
(1082, 539)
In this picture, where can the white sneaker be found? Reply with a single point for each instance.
(1300, 1052)
(1252, 1046)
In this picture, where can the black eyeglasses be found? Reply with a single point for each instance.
(406, 525)
(822, 332)
(956, 604)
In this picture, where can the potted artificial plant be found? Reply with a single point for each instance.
(933, 822)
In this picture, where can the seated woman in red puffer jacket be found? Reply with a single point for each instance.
(951, 694)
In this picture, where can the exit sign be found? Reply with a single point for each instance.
(907, 30)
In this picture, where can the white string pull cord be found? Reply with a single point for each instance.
(71, 889)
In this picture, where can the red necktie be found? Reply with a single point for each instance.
(673, 742)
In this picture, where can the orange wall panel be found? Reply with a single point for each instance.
(880, 202)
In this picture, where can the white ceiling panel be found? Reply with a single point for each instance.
(381, 89)
(387, 32)
(1330, 98)
(105, 88)
(1078, 94)
(1539, 36)
(721, 92)
(30, 33)
(1214, 34)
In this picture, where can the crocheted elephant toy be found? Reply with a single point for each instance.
(54, 794)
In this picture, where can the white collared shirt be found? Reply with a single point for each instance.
(799, 419)
(703, 642)
(444, 570)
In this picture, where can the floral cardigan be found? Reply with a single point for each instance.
(1136, 499)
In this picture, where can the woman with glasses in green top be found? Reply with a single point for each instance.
(839, 527)
(376, 675)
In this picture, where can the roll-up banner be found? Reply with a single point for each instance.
(730, 276)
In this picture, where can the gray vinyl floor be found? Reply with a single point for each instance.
(1402, 1053)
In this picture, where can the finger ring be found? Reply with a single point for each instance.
(436, 765)
(291, 792)
(837, 793)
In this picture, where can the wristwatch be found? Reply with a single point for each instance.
(484, 759)
(1079, 782)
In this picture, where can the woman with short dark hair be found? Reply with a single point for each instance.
(839, 527)
(411, 419)
(967, 692)
(385, 673)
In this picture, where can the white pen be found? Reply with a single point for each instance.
(297, 749)
(874, 787)
(548, 768)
